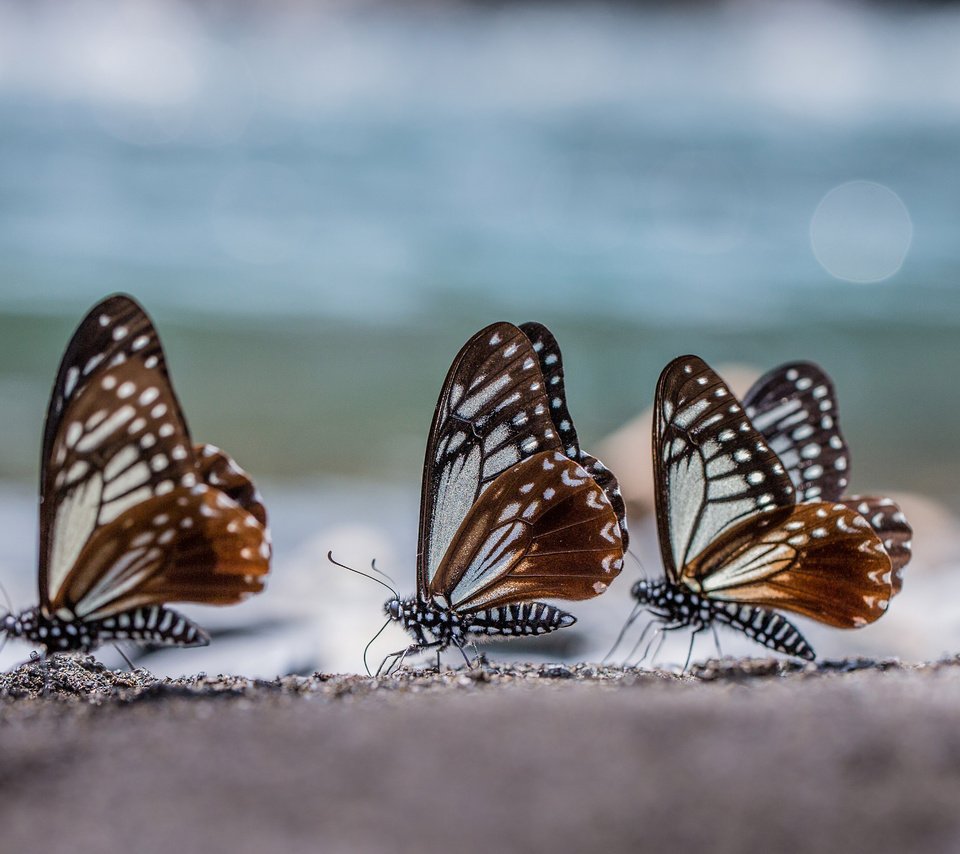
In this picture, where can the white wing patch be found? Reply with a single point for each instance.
(136, 565)
(455, 496)
(753, 564)
(491, 560)
(75, 522)
(687, 488)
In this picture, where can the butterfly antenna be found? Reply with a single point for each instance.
(630, 621)
(364, 574)
(643, 569)
(366, 649)
(376, 569)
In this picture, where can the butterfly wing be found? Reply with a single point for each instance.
(794, 406)
(712, 470)
(117, 452)
(818, 559)
(891, 526)
(195, 544)
(492, 413)
(551, 366)
(544, 529)
(219, 470)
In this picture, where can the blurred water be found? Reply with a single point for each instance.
(319, 204)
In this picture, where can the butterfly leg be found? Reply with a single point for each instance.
(693, 639)
(659, 637)
(124, 656)
(643, 635)
(401, 654)
(716, 640)
(470, 664)
(397, 657)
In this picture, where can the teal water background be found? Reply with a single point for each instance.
(319, 206)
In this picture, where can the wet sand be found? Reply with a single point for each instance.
(738, 756)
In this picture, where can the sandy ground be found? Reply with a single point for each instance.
(739, 756)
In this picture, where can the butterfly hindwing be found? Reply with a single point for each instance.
(218, 469)
(712, 469)
(794, 406)
(819, 559)
(191, 545)
(891, 526)
(492, 413)
(544, 529)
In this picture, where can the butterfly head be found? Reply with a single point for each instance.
(10, 626)
(393, 608)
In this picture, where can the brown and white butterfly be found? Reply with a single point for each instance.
(736, 537)
(512, 510)
(133, 515)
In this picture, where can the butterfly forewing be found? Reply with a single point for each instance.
(545, 529)
(794, 407)
(116, 433)
(891, 526)
(818, 559)
(551, 366)
(190, 545)
(712, 469)
(492, 413)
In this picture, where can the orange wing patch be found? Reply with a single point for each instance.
(821, 560)
(189, 545)
(887, 519)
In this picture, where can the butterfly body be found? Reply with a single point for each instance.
(679, 607)
(154, 625)
(436, 624)
(512, 509)
(430, 623)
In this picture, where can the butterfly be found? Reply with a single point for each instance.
(512, 509)
(750, 513)
(133, 515)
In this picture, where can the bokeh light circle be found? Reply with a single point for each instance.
(861, 232)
